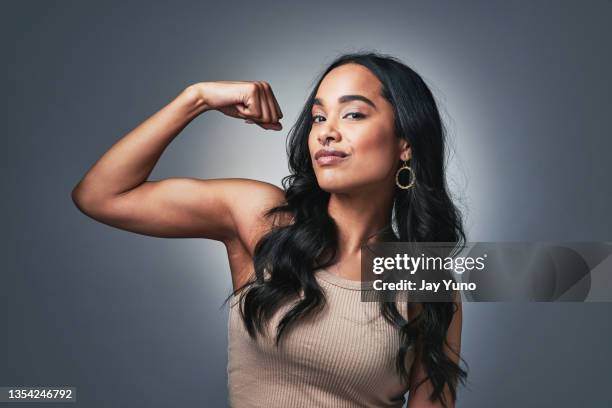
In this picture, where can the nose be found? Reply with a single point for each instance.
(327, 134)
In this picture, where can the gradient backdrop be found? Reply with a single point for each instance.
(135, 321)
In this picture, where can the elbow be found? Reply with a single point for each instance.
(79, 198)
(95, 204)
(85, 200)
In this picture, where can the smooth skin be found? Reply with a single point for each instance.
(115, 191)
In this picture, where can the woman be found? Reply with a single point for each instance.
(298, 333)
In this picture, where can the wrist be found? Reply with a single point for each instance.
(195, 96)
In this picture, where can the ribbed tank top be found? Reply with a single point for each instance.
(342, 357)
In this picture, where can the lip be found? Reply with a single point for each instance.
(329, 152)
(328, 159)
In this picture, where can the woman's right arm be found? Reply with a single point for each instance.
(115, 190)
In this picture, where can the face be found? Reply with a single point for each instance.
(351, 116)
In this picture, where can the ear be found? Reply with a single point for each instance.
(406, 150)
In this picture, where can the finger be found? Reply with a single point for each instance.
(254, 122)
(272, 126)
(263, 104)
(243, 110)
(276, 126)
(266, 126)
(270, 102)
(279, 112)
(232, 111)
(251, 103)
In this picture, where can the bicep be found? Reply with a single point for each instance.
(186, 208)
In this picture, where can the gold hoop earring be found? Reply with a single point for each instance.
(412, 178)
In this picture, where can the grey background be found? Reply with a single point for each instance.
(132, 320)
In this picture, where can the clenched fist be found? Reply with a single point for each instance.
(252, 101)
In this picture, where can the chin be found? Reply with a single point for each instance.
(334, 187)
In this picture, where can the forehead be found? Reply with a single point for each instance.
(349, 79)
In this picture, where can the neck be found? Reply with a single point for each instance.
(360, 218)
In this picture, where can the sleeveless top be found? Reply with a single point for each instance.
(344, 356)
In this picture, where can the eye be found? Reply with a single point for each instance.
(357, 115)
(314, 118)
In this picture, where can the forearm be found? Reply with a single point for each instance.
(129, 162)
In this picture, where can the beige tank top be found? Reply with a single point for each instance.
(342, 357)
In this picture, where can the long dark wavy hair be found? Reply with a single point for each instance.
(286, 258)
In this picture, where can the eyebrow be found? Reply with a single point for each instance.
(348, 98)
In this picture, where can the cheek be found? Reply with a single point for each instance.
(376, 155)
(376, 151)
(313, 143)
(375, 164)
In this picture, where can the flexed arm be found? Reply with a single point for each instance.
(115, 190)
